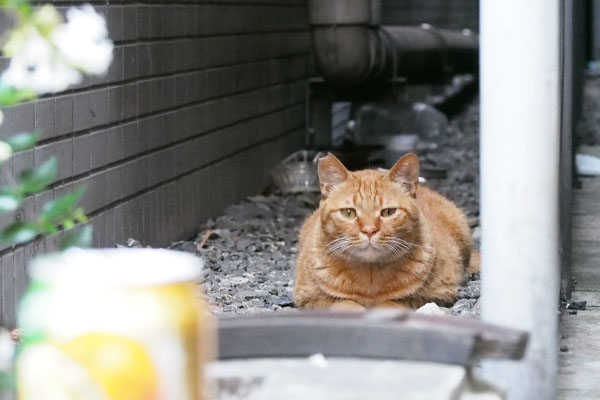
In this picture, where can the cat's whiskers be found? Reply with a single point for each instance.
(406, 243)
(337, 247)
(394, 250)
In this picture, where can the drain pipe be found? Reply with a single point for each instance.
(519, 186)
(351, 48)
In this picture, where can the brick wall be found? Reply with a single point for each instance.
(202, 98)
(452, 14)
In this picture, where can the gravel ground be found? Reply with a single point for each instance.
(589, 134)
(250, 250)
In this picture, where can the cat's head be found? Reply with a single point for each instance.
(369, 216)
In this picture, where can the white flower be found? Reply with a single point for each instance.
(83, 40)
(5, 151)
(36, 66)
(48, 56)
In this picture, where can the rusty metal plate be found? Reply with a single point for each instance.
(378, 334)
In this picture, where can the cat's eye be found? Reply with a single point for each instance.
(388, 212)
(348, 212)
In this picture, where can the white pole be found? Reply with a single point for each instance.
(519, 186)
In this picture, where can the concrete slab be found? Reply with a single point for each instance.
(591, 296)
(580, 365)
(317, 378)
(580, 334)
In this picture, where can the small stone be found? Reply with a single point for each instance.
(476, 233)
(564, 348)
(243, 244)
(577, 305)
(284, 301)
(251, 294)
(235, 281)
(187, 247)
(133, 243)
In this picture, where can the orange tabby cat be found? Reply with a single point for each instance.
(380, 240)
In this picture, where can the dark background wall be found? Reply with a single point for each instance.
(202, 98)
(452, 14)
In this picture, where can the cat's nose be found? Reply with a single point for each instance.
(369, 230)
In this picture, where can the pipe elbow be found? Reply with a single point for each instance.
(346, 55)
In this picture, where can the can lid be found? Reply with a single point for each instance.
(116, 267)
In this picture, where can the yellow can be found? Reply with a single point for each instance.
(123, 324)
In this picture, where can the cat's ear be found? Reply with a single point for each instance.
(406, 172)
(331, 173)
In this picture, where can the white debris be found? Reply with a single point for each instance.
(430, 309)
(587, 164)
(318, 360)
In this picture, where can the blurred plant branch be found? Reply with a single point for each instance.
(47, 55)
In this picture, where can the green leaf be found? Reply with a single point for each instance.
(10, 95)
(37, 179)
(77, 238)
(9, 202)
(47, 228)
(79, 216)
(22, 141)
(62, 206)
(19, 232)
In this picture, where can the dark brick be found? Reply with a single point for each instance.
(24, 117)
(116, 69)
(99, 190)
(143, 60)
(8, 306)
(128, 179)
(114, 22)
(64, 152)
(143, 96)
(143, 22)
(43, 153)
(129, 22)
(114, 188)
(63, 119)
(40, 199)
(99, 107)
(115, 104)
(130, 66)
(82, 117)
(7, 126)
(156, 21)
(44, 118)
(114, 144)
(81, 154)
(99, 146)
(118, 223)
(130, 139)
(23, 160)
(130, 101)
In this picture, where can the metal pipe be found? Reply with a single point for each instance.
(351, 48)
(519, 186)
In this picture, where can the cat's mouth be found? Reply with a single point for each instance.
(369, 245)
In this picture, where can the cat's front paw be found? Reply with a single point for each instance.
(393, 304)
(346, 305)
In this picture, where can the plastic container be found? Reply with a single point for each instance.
(429, 123)
(112, 324)
(298, 172)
